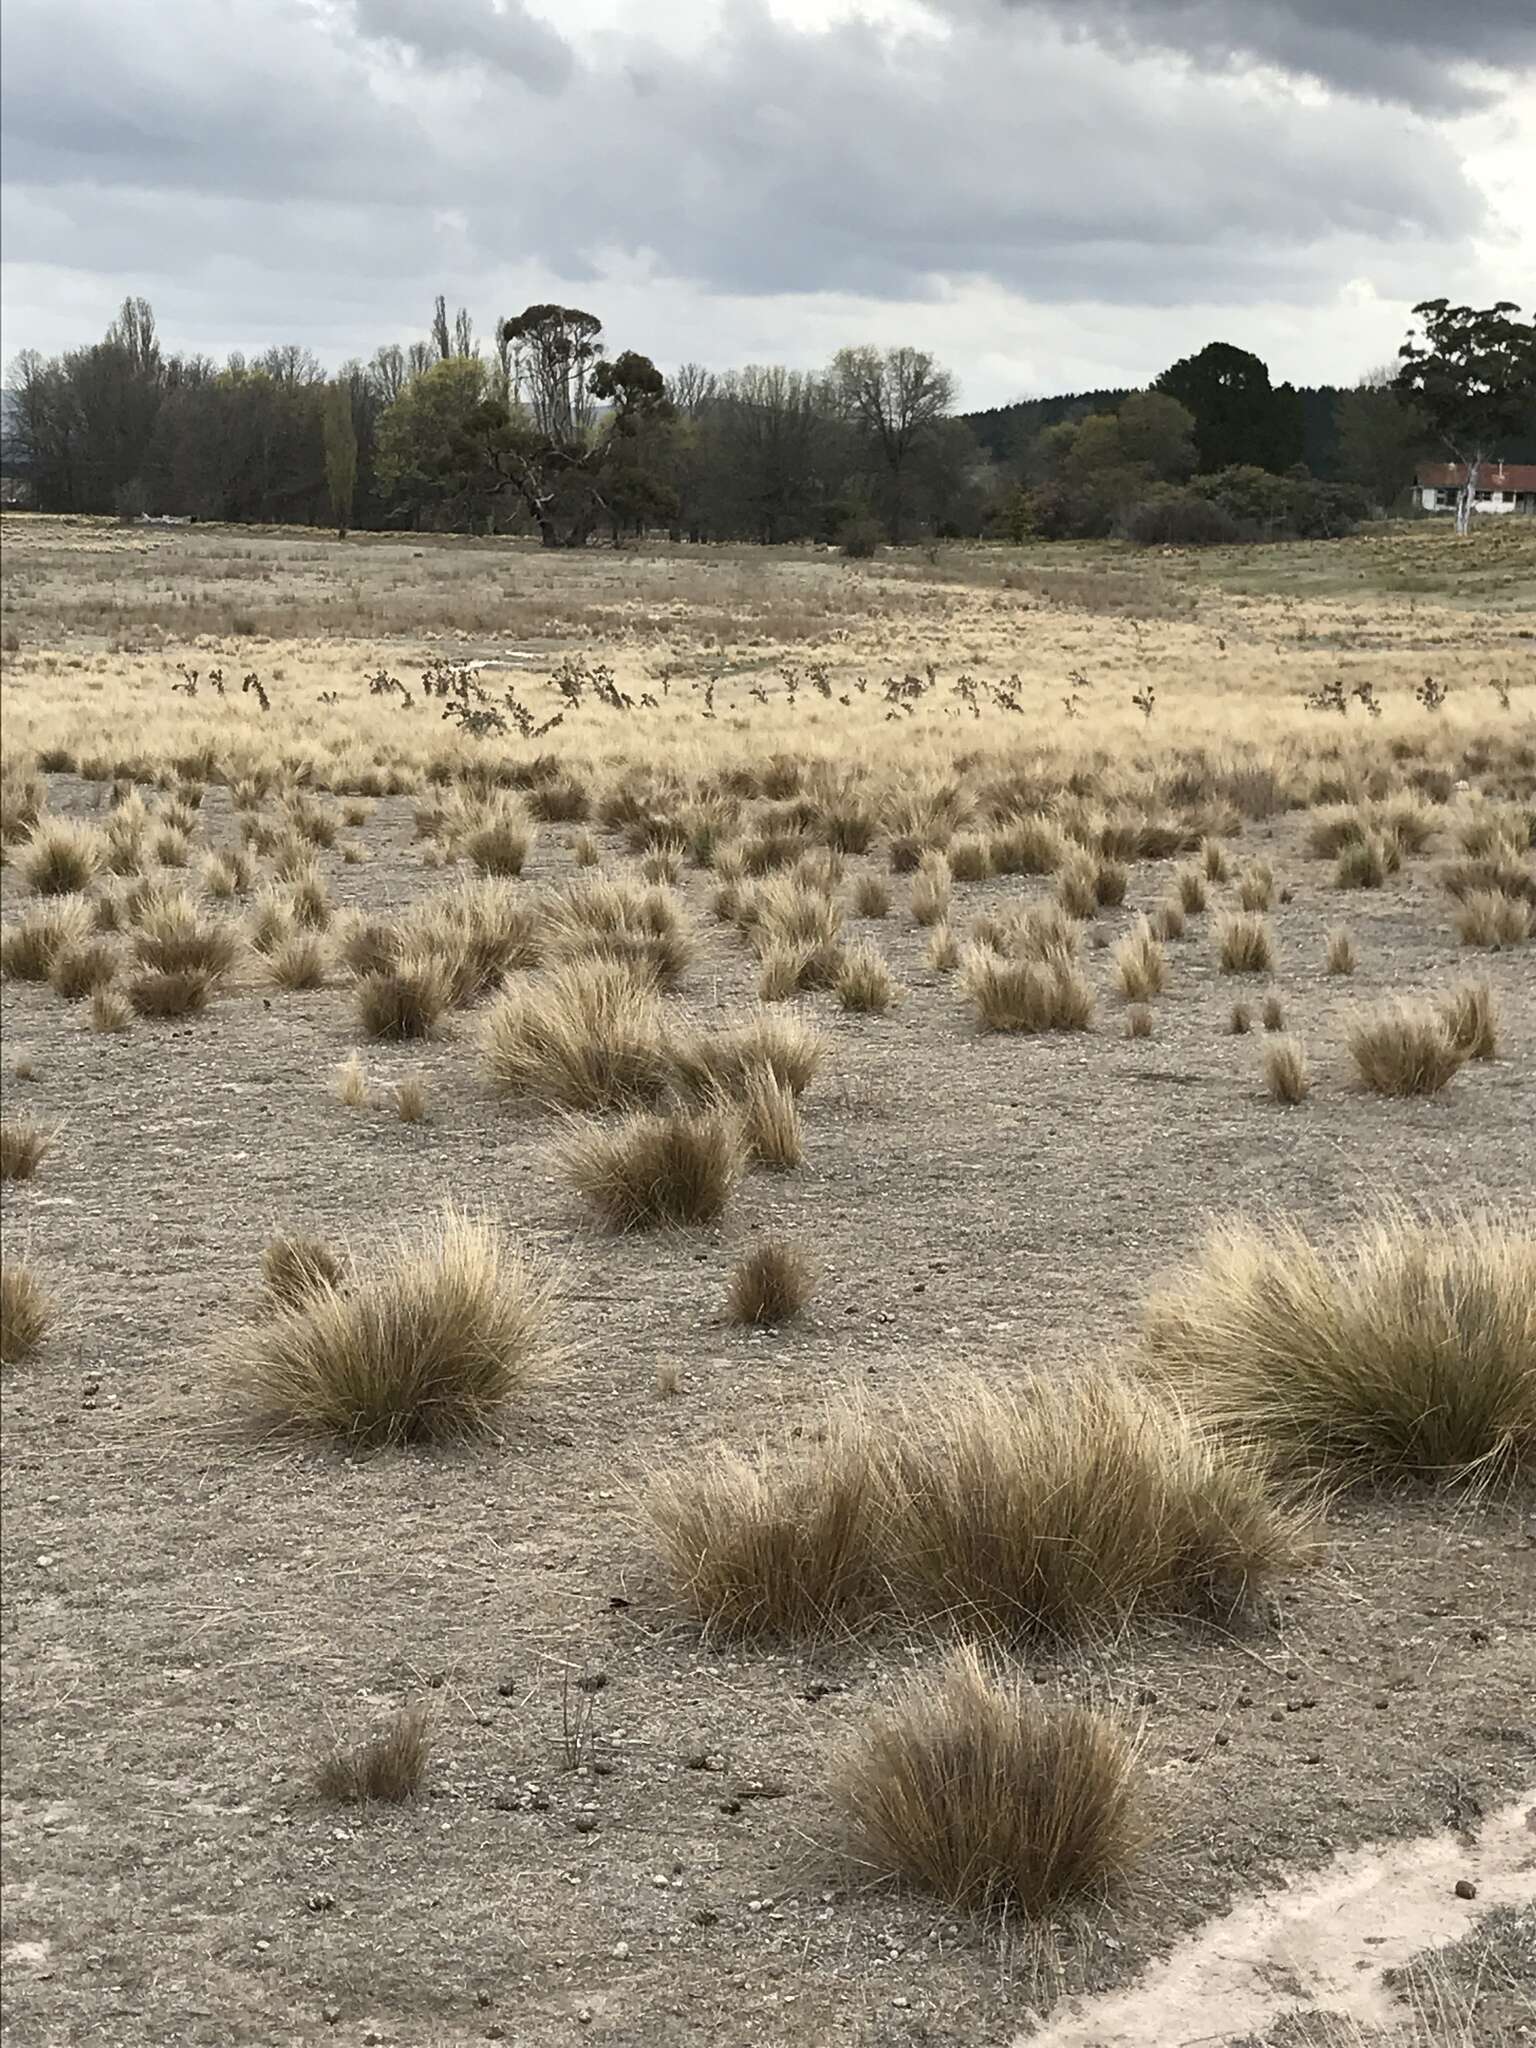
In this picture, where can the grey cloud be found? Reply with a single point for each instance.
(362, 151)
(1422, 53)
(500, 34)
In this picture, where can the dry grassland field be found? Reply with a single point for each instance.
(752, 1299)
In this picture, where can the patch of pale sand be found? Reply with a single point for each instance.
(1320, 1945)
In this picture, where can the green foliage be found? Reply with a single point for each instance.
(340, 453)
(1239, 416)
(1472, 374)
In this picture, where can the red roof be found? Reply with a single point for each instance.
(1493, 476)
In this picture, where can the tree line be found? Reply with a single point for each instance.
(545, 429)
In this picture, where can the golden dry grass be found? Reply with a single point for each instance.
(1032, 1508)
(23, 1146)
(725, 1060)
(770, 1283)
(60, 858)
(31, 946)
(1026, 995)
(971, 1787)
(1407, 1349)
(1141, 967)
(387, 1767)
(652, 1171)
(1472, 1019)
(1244, 943)
(1286, 1073)
(1404, 1047)
(1341, 950)
(433, 1344)
(25, 1310)
(406, 1001)
(590, 1035)
(770, 1119)
(295, 1267)
(865, 984)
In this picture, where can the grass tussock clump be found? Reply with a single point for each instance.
(770, 1118)
(25, 1311)
(1366, 863)
(932, 890)
(60, 858)
(31, 946)
(1244, 944)
(1286, 1074)
(943, 950)
(1036, 1509)
(597, 918)
(1488, 917)
(110, 1010)
(23, 1146)
(979, 1791)
(406, 1001)
(500, 841)
(162, 993)
(726, 1061)
(865, 984)
(1026, 995)
(174, 937)
(1341, 950)
(659, 1170)
(591, 1035)
(871, 896)
(1407, 1350)
(1471, 1014)
(431, 1346)
(770, 1284)
(387, 1768)
(774, 1546)
(298, 962)
(1140, 964)
(1404, 1048)
(80, 970)
(294, 1268)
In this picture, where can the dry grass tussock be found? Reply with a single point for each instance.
(865, 984)
(590, 1035)
(1140, 964)
(388, 1767)
(80, 970)
(406, 1001)
(599, 918)
(1487, 917)
(1404, 1047)
(1409, 1349)
(174, 936)
(30, 948)
(295, 1267)
(110, 1011)
(162, 993)
(60, 858)
(1286, 1074)
(726, 1060)
(1472, 1018)
(979, 1791)
(1026, 995)
(25, 1310)
(1341, 950)
(770, 1119)
(23, 1145)
(1244, 944)
(300, 961)
(653, 1171)
(770, 1283)
(1035, 1508)
(432, 1345)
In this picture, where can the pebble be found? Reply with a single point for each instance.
(1465, 1888)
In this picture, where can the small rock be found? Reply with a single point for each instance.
(330, 2014)
(584, 1824)
(1465, 1888)
(620, 1951)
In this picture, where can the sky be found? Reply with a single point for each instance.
(1051, 195)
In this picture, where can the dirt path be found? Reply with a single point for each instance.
(1324, 1945)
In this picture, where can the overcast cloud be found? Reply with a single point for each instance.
(1049, 193)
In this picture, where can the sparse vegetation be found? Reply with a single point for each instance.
(433, 1344)
(294, 1268)
(25, 1310)
(1409, 1349)
(23, 1146)
(770, 1283)
(973, 1788)
(1404, 1048)
(386, 1768)
(590, 1035)
(1285, 1071)
(655, 1170)
(1244, 944)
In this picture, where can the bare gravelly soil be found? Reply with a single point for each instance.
(626, 1838)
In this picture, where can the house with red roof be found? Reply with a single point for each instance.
(1501, 486)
